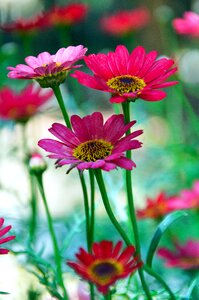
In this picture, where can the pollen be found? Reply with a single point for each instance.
(126, 84)
(93, 150)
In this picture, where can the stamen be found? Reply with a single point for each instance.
(105, 269)
(93, 150)
(126, 84)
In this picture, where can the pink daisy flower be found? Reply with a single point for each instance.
(20, 106)
(92, 143)
(128, 75)
(3, 240)
(49, 70)
(188, 25)
(184, 256)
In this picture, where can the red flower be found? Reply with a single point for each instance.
(128, 76)
(106, 264)
(184, 256)
(125, 21)
(22, 105)
(3, 240)
(188, 25)
(67, 15)
(35, 23)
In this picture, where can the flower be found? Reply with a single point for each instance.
(49, 70)
(37, 164)
(188, 25)
(30, 25)
(106, 264)
(92, 144)
(20, 106)
(67, 15)
(128, 76)
(3, 240)
(164, 204)
(125, 21)
(184, 256)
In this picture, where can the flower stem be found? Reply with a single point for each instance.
(57, 92)
(131, 207)
(159, 278)
(102, 188)
(92, 209)
(107, 296)
(53, 237)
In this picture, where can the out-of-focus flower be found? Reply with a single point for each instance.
(93, 143)
(188, 198)
(23, 25)
(184, 256)
(37, 164)
(106, 264)
(20, 106)
(125, 21)
(163, 204)
(67, 15)
(3, 240)
(188, 25)
(49, 70)
(128, 76)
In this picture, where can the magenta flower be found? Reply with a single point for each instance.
(184, 256)
(3, 240)
(128, 76)
(20, 106)
(188, 25)
(49, 70)
(92, 143)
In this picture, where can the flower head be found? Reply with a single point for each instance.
(125, 21)
(184, 256)
(188, 25)
(20, 106)
(3, 240)
(49, 70)
(92, 143)
(67, 15)
(106, 264)
(128, 76)
(37, 164)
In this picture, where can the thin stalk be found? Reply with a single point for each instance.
(159, 278)
(131, 206)
(92, 209)
(102, 188)
(57, 92)
(53, 237)
(107, 296)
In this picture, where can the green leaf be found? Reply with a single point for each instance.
(162, 227)
(4, 293)
(191, 288)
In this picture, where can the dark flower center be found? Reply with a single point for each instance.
(105, 269)
(93, 150)
(126, 84)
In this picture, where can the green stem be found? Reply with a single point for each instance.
(53, 237)
(57, 92)
(159, 278)
(100, 181)
(131, 206)
(92, 209)
(107, 296)
(33, 204)
(86, 208)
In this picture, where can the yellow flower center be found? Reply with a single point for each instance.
(126, 84)
(93, 150)
(103, 271)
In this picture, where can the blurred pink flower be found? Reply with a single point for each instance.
(184, 256)
(125, 21)
(3, 240)
(128, 76)
(188, 25)
(20, 106)
(92, 143)
(49, 70)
